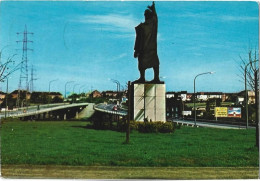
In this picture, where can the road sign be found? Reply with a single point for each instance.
(221, 112)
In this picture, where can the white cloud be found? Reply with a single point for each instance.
(119, 56)
(218, 17)
(238, 18)
(111, 22)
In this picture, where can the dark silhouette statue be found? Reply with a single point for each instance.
(146, 45)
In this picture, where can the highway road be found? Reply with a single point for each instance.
(108, 108)
(211, 125)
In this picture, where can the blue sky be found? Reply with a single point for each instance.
(92, 42)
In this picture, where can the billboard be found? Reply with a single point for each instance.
(234, 112)
(221, 112)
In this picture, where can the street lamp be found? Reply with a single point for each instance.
(66, 87)
(195, 93)
(117, 88)
(73, 92)
(6, 97)
(50, 88)
(2, 51)
(246, 96)
(182, 107)
(81, 88)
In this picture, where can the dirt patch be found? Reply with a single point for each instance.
(101, 172)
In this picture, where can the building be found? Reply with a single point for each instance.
(175, 104)
(2, 96)
(227, 96)
(250, 96)
(204, 96)
(189, 96)
(109, 94)
(95, 94)
(22, 94)
(55, 94)
(239, 100)
(181, 94)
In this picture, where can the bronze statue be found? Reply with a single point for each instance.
(146, 45)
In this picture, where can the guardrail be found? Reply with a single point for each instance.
(30, 113)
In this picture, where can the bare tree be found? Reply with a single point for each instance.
(250, 67)
(7, 66)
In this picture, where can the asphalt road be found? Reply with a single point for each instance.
(108, 108)
(212, 125)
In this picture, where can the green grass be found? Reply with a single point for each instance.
(198, 104)
(70, 143)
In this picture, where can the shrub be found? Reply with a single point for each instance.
(155, 127)
(166, 127)
(99, 121)
(147, 127)
(122, 125)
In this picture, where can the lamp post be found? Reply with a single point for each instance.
(81, 88)
(2, 51)
(66, 87)
(117, 87)
(182, 107)
(50, 89)
(73, 92)
(6, 97)
(195, 116)
(246, 95)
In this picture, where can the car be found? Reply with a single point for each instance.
(114, 108)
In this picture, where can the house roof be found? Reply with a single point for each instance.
(16, 91)
(1, 92)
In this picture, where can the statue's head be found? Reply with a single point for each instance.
(148, 14)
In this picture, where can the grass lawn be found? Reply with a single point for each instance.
(70, 143)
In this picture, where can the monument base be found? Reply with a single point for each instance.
(148, 102)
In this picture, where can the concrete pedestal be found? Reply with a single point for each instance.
(148, 101)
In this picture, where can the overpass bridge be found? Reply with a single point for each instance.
(108, 108)
(60, 111)
(107, 112)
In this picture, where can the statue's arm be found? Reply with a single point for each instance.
(152, 8)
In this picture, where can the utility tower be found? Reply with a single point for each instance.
(32, 78)
(23, 81)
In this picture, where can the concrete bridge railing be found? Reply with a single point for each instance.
(45, 110)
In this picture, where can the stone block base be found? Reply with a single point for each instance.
(148, 101)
